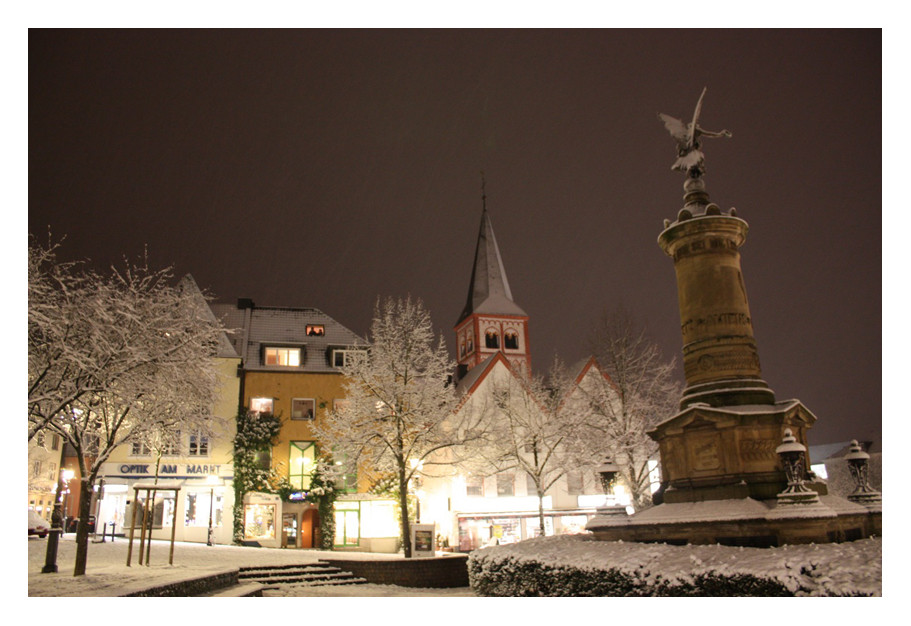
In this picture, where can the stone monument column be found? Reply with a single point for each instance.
(720, 359)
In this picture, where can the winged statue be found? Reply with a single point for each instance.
(690, 158)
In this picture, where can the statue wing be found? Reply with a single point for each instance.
(696, 113)
(676, 127)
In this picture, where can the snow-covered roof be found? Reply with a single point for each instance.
(225, 349)
(257, 327)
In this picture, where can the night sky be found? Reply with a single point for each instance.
(325, 168)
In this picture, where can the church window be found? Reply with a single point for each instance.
(511, 340)
(492, 339)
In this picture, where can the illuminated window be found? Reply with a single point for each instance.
(492, 339)
(506, 485)
(259, 521)
(261, 405)
(511, 340)
(347, 523)
(283, 357)
(302, 408)
(199, 445)
(347, 482)
(200, 505)
(301, 463)
(315, 330)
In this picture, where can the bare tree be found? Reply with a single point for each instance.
(144, 356)
(632, 390)
(397, 420)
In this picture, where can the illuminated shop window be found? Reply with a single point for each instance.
(284, 357)
(511, 340)
(347, 523)
(259, 521)
(198, 508)
(302, 408)
(301, 463)
(261, 405)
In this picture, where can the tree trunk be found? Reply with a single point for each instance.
(82, 530)
(403, 503)
(541, 512)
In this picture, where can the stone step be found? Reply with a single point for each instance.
(284, 570)
(305, 578)
(241, 590)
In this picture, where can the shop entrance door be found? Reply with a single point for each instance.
(289, 530)
(309, 524)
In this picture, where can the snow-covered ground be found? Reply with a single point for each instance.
(108, 575)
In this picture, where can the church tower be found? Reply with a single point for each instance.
(490, 322)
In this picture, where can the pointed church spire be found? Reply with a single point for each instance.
(489, 290)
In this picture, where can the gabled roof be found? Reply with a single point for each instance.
(225, 349)
(283, 326)
(489, 290)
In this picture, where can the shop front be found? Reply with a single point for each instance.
(477, 530)
(203, 504)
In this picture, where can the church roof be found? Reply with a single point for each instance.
(489, 289)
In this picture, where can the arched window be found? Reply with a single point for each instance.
(511, 340)
(492, 339)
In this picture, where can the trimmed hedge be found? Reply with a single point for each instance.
(501, 571)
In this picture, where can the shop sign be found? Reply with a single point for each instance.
(168, 469)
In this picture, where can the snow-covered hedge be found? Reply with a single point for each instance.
(577, 565)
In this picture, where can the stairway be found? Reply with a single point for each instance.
(310, 574)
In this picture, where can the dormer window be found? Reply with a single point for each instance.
(341, 358)
(492, 339)
(282, 357)
(511, 340)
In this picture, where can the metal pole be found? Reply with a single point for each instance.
(53, 540)
(173, 528)
(211, 500)
(132, 529)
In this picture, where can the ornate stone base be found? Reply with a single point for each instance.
(728, 452)
(744, 522)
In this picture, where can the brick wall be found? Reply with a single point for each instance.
(435, 572)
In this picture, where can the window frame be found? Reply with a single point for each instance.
(312, 402)
(278, 349)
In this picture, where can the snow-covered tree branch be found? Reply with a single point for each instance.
(116, 359)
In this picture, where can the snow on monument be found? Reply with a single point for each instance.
(734, 464)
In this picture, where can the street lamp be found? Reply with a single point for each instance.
(212, 480)
(67, 477)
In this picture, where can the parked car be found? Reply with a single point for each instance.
(37, 525)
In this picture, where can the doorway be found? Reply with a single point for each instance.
(289, 530)
(309, 526)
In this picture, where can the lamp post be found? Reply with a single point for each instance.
(53, 540)
(859, 466)
(212, 480)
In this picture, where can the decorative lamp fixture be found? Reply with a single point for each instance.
(792, 454)
(859, 466)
